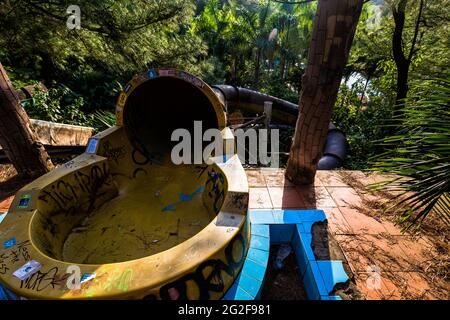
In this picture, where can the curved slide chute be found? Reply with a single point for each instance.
(123, 218)
(283, 112)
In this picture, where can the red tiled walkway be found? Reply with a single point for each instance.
(368, 241)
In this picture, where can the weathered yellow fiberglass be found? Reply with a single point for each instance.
(137, 226)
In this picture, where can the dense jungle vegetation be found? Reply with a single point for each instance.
(393, 103)
(260, 44)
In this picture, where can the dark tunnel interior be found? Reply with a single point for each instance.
(159, 106)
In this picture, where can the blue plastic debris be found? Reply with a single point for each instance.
(151, 74)
(283, 252)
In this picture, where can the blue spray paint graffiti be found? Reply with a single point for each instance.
(183, 198)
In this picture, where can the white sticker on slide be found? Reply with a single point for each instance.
(3, 215)
(27, 270)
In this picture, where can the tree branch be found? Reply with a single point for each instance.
(397, 39)
(416, 32)
(57, 17)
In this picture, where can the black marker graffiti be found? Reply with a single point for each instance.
(138, 170)
(69, 164)
(146, 157)
(65, 194)
(3, 267)
(206, 282)
(113, 153)
(202, 169)
(42, 280)
(239, 200)
(20, 252)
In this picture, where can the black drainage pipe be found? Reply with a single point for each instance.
(284, 112)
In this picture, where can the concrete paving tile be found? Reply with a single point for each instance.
(336, 221)
(329, 178)
(418, 251)
(285, 198)
(409, 286)
(367, 286)
(345, 196)
(259, 198)
(365, 252)
(368, 178)
(255, 178)
(276, 178)
(375, 286)
(391, 228)
(316, 197)
(360, 223)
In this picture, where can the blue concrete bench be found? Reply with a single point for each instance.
(286, 227)
(248, 285)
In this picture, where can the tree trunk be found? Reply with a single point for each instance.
(401, 61)
(284, 51)
(334, 28)
(17, 137)
(257, 68)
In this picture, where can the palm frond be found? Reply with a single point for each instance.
(419, 154)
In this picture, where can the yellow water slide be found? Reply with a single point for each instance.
(135, 225)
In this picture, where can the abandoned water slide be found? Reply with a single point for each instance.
(136, 225)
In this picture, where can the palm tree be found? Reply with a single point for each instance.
(420, 155)
(333, 32)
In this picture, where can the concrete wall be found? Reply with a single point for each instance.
(59, 134)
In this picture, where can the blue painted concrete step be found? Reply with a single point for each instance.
(286, 227)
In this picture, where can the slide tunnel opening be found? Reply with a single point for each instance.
(158, 107)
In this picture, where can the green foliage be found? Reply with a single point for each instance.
(103, 120)
(371, 53)
(361, 116)
(420, 154)
(371, 58)
(59, 104)
(258, 44)
(117, 39)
